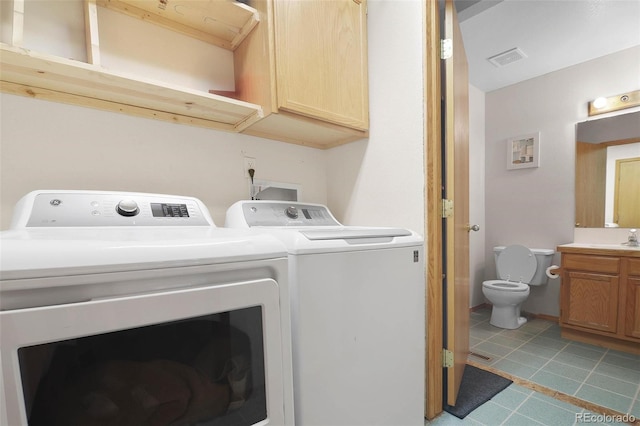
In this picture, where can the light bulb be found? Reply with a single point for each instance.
(600, 103)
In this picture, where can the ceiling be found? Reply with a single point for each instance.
(552, 34)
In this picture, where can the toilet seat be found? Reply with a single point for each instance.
(516, 263)
(502, 285)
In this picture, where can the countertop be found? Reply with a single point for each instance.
(601, 249)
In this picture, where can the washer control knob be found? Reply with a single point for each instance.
(127, 207)
(292, 212)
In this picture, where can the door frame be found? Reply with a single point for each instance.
(617, 197)
(457, 226)
(433, 210)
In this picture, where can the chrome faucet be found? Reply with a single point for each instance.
(633, 238)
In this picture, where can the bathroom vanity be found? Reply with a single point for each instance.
(600, 295)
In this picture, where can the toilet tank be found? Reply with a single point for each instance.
(544, 257)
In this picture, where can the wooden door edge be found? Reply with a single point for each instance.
(433, 198)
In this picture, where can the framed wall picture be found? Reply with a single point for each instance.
(523, 151)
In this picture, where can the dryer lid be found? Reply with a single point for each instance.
(517, 263)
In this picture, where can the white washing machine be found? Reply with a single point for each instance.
(128, 308)
(358, 314)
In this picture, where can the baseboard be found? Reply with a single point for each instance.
(551, 318)
(478, 307)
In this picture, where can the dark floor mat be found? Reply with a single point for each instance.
(477, 387)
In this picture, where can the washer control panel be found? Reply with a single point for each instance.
(268, 213)
(98, 208)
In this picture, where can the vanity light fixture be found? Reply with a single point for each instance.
(614, 103)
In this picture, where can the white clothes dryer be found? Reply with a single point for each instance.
(358, 314)
(129, 308)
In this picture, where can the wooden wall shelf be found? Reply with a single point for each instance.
(224, 23)
(63, 80)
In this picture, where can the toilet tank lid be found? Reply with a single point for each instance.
(516, 263)
(547, 252)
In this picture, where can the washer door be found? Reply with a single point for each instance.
(517, 263)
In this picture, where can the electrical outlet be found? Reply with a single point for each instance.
(249, 163)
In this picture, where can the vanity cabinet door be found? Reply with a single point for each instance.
(632, 315)
(590, 292)
(591, 301)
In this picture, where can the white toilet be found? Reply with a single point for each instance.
(518, 267)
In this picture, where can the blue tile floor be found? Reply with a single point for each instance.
(556, 381)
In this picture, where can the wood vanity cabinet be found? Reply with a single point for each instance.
(308, 70)
(600, 296)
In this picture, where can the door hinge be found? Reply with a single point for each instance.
(447, 208)
(447, 358)
(446, 48)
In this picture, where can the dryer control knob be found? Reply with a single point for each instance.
(127, 208)
(292, 212)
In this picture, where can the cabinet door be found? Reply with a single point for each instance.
(590, 300)
(321, 60)
(632, 321)
(632, 308)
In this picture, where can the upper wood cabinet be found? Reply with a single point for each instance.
(308, 69)
(300, 68)
(321, 60)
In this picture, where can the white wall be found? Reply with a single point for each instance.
(535, 207)
(380, 182)
(476, 195)
(46, 145)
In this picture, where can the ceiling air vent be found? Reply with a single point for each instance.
(508, 57)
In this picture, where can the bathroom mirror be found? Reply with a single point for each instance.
(608, 172)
